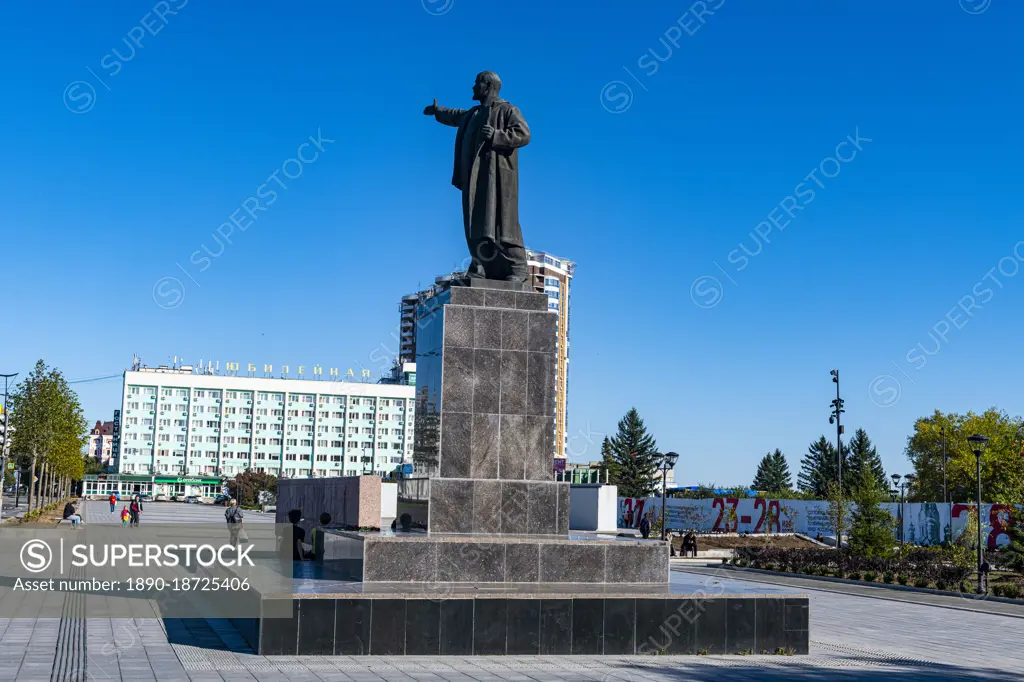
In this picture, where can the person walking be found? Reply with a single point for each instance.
(126, 517)
(233, 516)
(135, 508)
(113, 502)
(645, 526)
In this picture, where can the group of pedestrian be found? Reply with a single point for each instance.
(130, 512)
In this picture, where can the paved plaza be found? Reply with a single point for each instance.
(902, 636)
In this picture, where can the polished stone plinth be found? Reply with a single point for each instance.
(467, 505)
(486, 384)
(423, 558)
(397, 623)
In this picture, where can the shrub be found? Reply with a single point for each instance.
(1011, 590)
(921, 582)
(888, 577)
(901, 579)
(997, 590)
(725, 560)
(870, 576)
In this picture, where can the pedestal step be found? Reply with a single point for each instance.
(494, 559)
(489, 626)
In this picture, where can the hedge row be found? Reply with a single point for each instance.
(920, 566)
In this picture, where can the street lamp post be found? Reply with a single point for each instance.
(945, 498)
(897, 490)
(668, 461)
(978, 444)
(5, 445)
(901, 489)
(834, 418)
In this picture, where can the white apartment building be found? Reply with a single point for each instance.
(186, 423)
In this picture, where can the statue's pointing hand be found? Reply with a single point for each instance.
(431, 109)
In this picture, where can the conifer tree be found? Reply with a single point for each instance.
(819, 467)
(863, 453)
(635, 453)
(773, 473)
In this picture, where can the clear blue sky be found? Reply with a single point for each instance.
(650, 200)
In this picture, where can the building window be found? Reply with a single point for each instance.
(243, 440)
(292, 441)
(275, 441)
(321, 444)
(212, 424)
(307, 413)
(353, 444)
(277, 413)
(200, 394)
(338, 415)
(293, 413)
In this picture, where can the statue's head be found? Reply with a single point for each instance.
(487, 83)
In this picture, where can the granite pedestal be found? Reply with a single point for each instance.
(497, 571)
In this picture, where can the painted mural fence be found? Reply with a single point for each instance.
(924, 523)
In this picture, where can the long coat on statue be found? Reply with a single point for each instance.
(487, 171)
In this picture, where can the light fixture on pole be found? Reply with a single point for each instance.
(898, 490)
(978, 444)
(668, 462)
(5, 436)
(945, 497)
(834, 418)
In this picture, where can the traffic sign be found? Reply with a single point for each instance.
(10, 465)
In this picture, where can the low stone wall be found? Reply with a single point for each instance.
(350, 500)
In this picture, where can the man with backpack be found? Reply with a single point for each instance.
(233, 515)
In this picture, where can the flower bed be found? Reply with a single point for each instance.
(919, 566)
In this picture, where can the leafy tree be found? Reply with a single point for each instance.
(92, 465)
(871, 525)
(819, 467)
(863, 453)
(634, 451)
(773, 473)
(1002, 467)
(50, 432)
(247, 486)
(838, 509)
